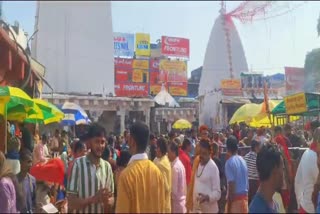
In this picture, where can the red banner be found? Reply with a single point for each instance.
(122, 75)
(174, 46)
(294, 80)
(131, 89)
(123, 63)
(178, 89)
(154, 65)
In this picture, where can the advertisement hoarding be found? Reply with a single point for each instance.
(123, 44)
(294, 80)
(123, 63)
(179, 89)
(132, 89)
(122, 75)
(143, 44)
(175, 47)
(174, 71)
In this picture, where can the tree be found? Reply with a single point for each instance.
(312, 70)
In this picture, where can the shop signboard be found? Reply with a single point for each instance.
(231, 87)
(296, 104)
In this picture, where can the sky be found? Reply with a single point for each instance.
(269, 45)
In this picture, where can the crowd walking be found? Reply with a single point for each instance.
(213, 172)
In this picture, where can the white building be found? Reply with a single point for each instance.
(75, 43)
(216, 67)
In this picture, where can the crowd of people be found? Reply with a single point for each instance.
(197, 171)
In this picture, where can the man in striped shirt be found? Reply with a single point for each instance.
(250, 159)
(90, 187)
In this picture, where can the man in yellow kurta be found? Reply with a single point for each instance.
(141, 186)
(163, 163)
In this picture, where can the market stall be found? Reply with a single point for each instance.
(306, 105)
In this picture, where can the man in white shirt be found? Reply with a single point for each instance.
(306, 176)
(207, 190)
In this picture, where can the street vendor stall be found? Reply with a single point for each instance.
(306, 105)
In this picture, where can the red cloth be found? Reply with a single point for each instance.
(313, 147)
(185, 159)
(281, 140)
(52, 171)
(237, 134)
(302, 211)
(285, 195)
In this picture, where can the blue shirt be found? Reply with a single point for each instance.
(259, 205)
(236, 171)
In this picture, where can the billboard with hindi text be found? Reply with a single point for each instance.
(143, 44)
(123, 44)
(175, 47)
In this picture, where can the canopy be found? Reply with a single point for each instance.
(182, 124)
(47, 113)
(313, 106)
(254, 115)
(13, 97)
(164, 97)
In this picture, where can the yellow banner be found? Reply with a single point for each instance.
(155, 89)
(296, 104)
(137, 75)
(172, 65)
(231, 84)
(178, 91)
(143, 44)
(140, 64)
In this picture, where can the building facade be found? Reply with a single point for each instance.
(75, 43)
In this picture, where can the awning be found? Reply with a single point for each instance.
(234, 100)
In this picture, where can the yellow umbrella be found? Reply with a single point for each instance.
(245, 113)
(46, 113)
(182, 124)
(14, 102)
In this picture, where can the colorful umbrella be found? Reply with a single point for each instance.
(73, 114)
(47, 113)
(182, 124)
(14, 98)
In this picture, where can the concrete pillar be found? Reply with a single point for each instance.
(122, 114)
(147, 114)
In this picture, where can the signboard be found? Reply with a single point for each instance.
(154, 65)
(231, 87)
(140, 76)
(123, 63)
(179, 89)
(174, 46)
(296, 103)
(122, 75)
(231, 84)
(294, 80)
(123, 44)
(173, 71)
(140, 64)
(132, 89)
(142, 44)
